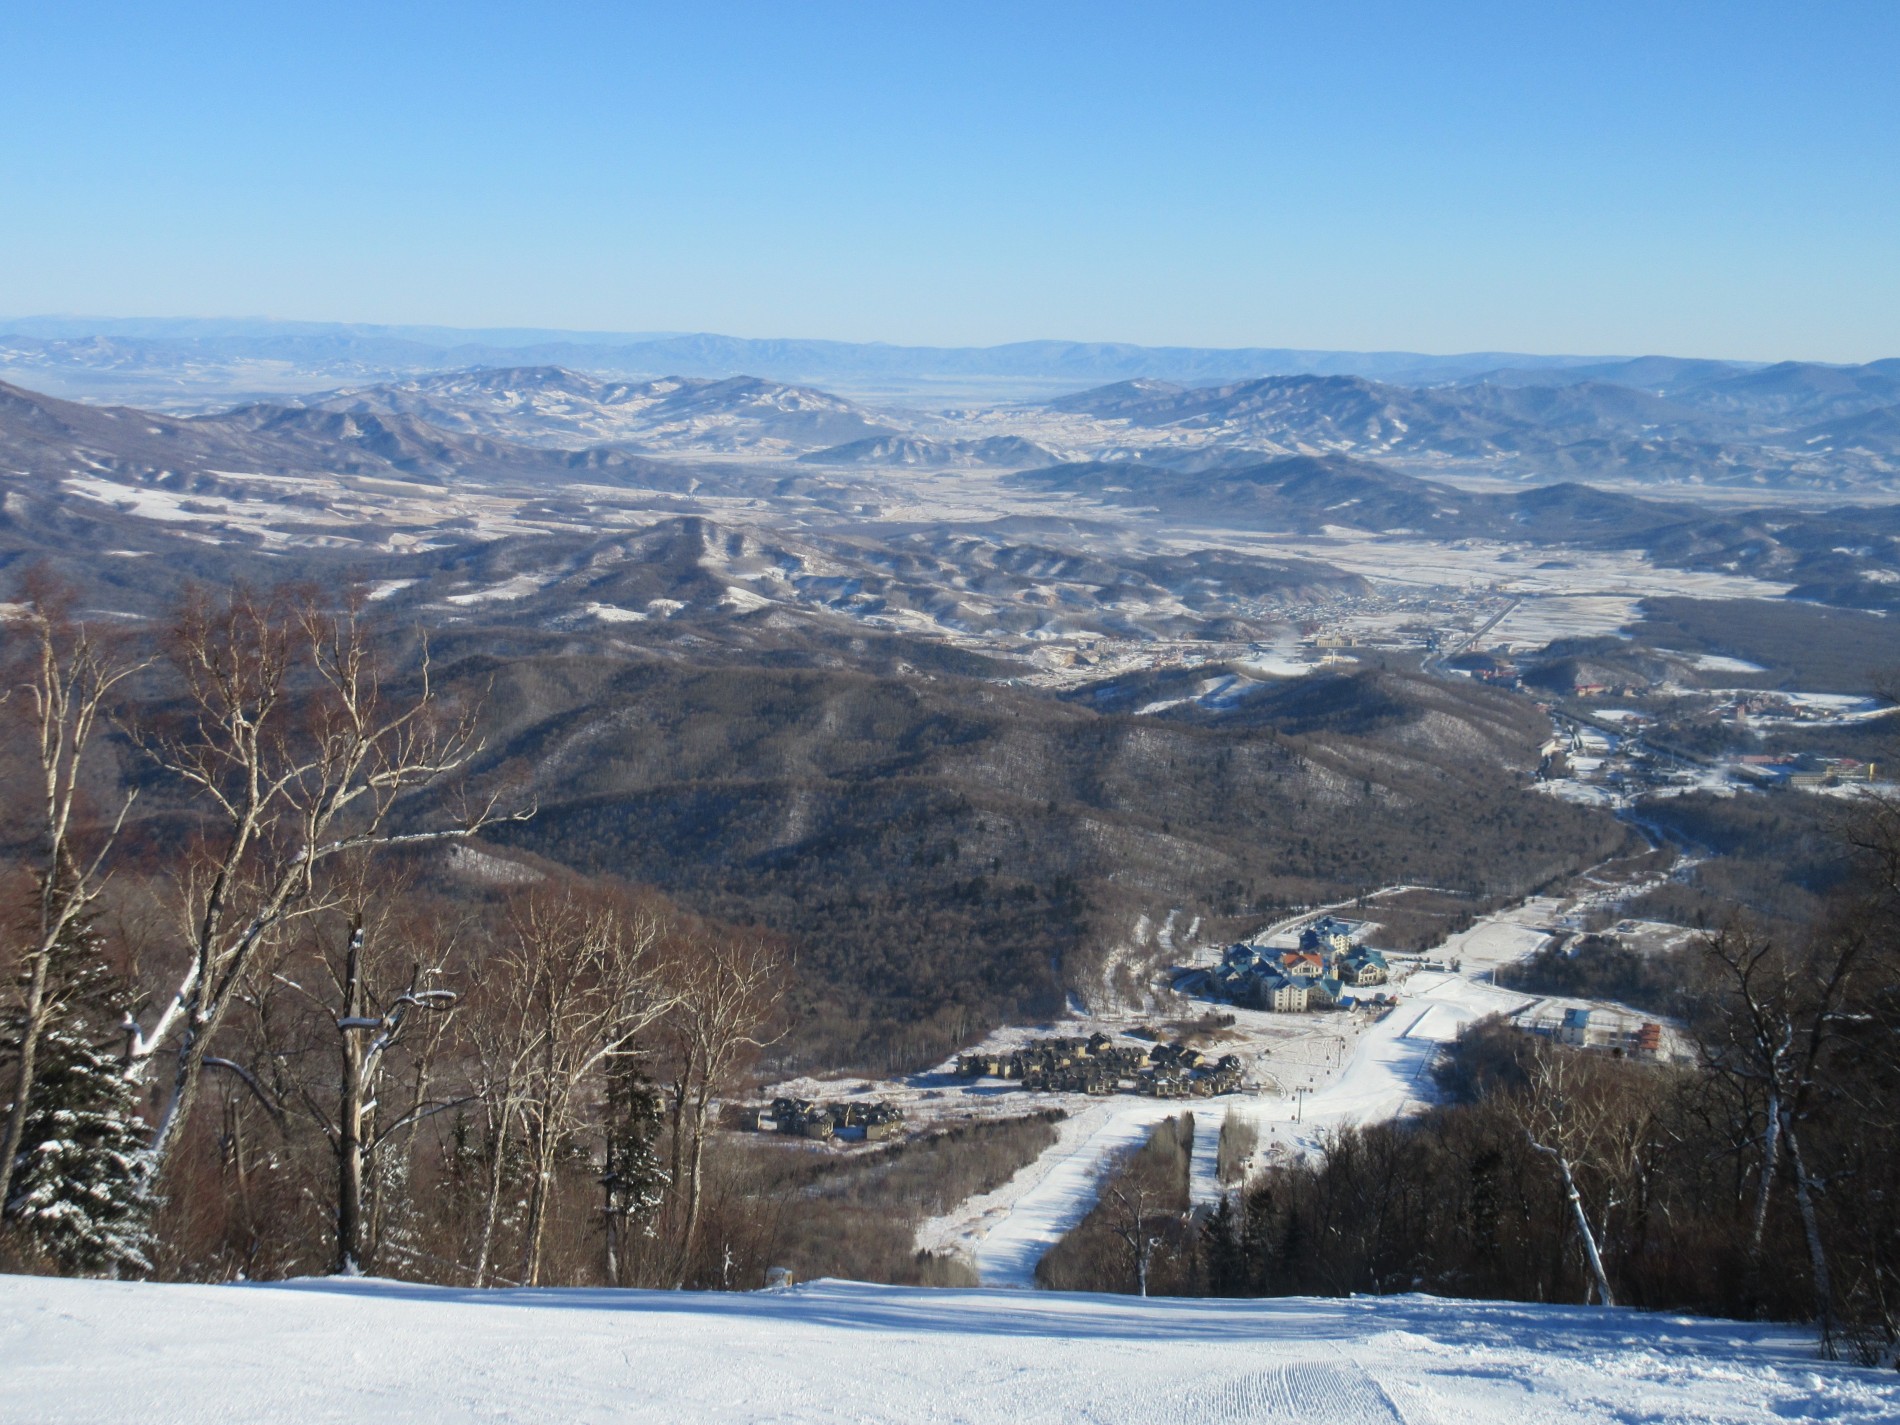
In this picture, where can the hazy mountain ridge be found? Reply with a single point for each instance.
(1312, 493)
(1651, 419)
(1721, 432)
(1583, 430)
(1006, 452)
(695, 576)
(1801, 390)
(257, 475)
(1848, 555)
(1874, 434)
(712, 354)
(1365, 414)
(42, 435)
(551, 405)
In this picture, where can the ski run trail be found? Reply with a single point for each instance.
(1365, 1072)
(1007, 1231)
(1380, 1073)
(366, 1352)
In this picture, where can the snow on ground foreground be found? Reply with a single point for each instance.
(388, 1352)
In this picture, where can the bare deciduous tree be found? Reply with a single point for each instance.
(1558, 1123)
(61, 694)
(581, 981)
(370, 1020)
(291, 741)
(1770, 1031)
(1135, 1220)
(727, 988)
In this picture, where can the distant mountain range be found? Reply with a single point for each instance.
(1738, 428)
(184, 346)
(383, 352)
(47, 437)
(552, 405)
(1843, 556)
(1000, 452)
(1652, 419)
(239, 474)
(1755, 428)
(1314, 494)
(193, 364)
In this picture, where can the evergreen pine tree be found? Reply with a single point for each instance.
(639, 1179)
(80, 1183)
(1260, 1226)
(79, 1189)
(1221, 1251)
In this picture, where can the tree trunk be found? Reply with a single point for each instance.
(1589, 1237)
(607, 1218)
(32, 1027)
(681, 1083)
(203, 1011)
(495, 1183)
(1817, 1254)
(184, 1097)
(1770, 1158)
(696, 1152)
(350, 1147)
(537, 1205)
(1583, 1221)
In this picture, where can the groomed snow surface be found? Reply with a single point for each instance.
(387, 1352)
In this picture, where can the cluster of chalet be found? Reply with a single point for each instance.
(871, 1119)
(1176, 1071)
(1314, 976)
(1098, 1065)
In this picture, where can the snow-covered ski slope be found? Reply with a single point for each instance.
(1380, 1075)
(389, 1353)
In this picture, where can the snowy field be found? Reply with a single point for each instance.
(1587, 577)
(327, 1352)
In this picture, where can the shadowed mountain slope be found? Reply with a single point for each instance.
(950, 855)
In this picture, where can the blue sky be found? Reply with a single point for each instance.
(1708, 179)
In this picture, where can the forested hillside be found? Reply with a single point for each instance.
(947, 854)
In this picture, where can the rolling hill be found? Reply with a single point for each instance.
(1000, 452)
(43, 436)
(1721, 431)
(550, 405)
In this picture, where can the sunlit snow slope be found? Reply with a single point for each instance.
(833, 1351)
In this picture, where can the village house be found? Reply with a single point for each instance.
(1289, 996)
(869, 1119)
(1099, 1066)
(1328, 935)
(1363, 967)
(1326, 992)
(1602, 1030)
